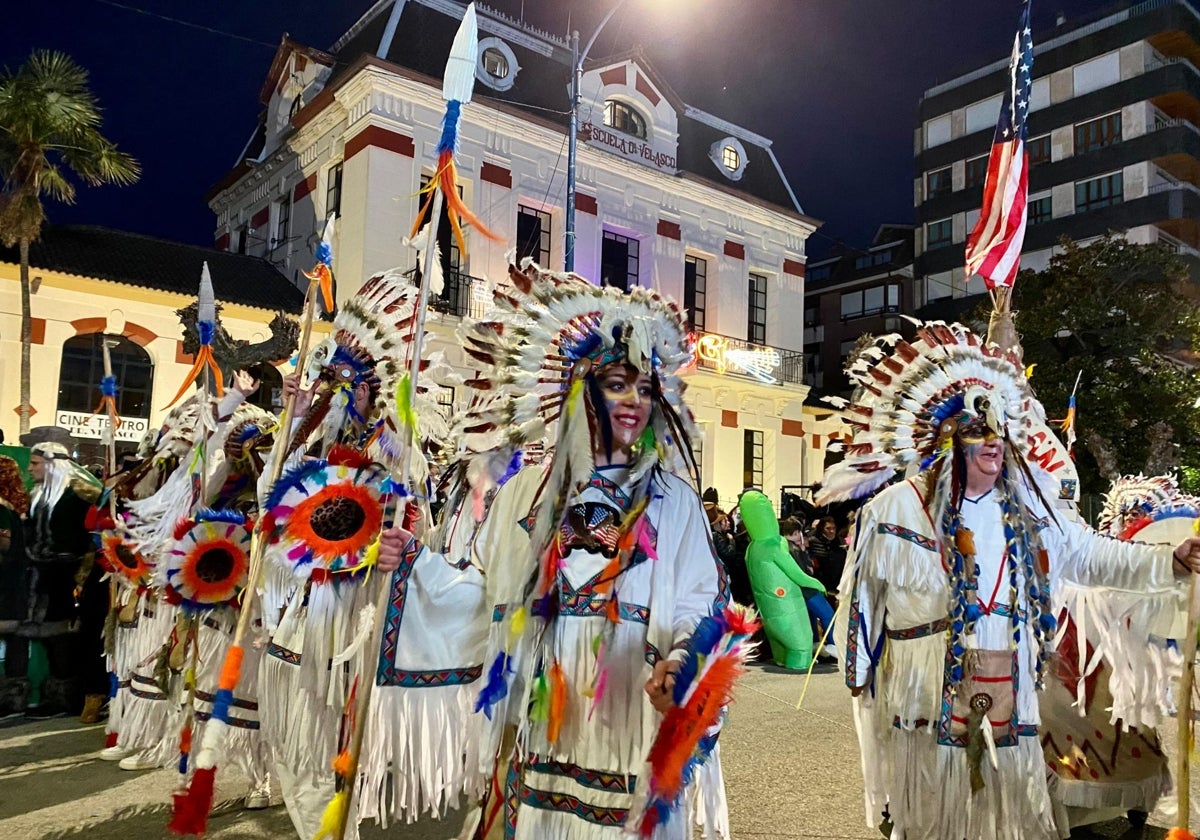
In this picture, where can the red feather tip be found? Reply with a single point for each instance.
(741, 620)
(348, 456)
(193, 805)
(1180, 834)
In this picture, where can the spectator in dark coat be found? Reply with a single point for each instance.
(828, 554)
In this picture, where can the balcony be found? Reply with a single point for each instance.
(763, 363)
(461, 295)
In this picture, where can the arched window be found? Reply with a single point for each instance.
(269, 395)
(624, 118)
(83, 366)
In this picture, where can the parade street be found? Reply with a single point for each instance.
(790, 773)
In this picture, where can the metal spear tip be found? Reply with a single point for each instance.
(459, 79)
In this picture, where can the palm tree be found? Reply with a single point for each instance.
(49, 127)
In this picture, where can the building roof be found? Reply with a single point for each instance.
(540, 88)
(137, 260)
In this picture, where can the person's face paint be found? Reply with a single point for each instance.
(628, 396)
(984, 456)
(37, 468)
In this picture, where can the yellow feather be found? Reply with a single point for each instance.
(332, 818)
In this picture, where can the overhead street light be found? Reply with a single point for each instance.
(577, 59)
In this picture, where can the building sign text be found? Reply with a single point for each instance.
(95, 426)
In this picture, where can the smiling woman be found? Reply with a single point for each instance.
(581, 586)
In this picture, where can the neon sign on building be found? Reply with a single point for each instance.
(756, 362)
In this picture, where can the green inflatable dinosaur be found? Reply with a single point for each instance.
(777, 583)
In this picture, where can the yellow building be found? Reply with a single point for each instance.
(92, 284)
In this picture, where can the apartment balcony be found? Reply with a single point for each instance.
(728, 356)
(461, 294)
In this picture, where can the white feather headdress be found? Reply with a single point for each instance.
(946, 373)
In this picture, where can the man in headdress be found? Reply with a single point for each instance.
(949, 580)
(61, 574)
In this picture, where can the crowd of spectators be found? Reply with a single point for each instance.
(819, 548)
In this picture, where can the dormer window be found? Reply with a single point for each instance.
(624, 118)
(729, 156)
(496, 65)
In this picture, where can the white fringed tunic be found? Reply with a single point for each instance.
(915, 766)
(586, 784)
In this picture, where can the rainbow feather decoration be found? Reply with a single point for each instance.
(714, 658)
(322, 273)
(206, 328)
(458, 83)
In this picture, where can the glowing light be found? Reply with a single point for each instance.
(756, 362)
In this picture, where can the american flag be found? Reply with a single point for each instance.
(994, 247)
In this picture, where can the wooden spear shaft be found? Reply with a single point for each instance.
(1183, 773)
(278, 448)
(381, 599)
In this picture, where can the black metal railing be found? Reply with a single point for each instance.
(739, 357)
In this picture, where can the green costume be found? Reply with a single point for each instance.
(778, 584)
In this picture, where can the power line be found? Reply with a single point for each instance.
(189, 23)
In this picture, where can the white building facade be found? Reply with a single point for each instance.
(669, 197)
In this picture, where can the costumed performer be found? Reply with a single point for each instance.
(1106, 770)
(192, 533)
(950, 622)
(323, 517)
(136, 632)
(781, 588)
(59, 548)
(596, 566)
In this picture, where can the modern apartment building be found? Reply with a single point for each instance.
(850, 294)
(1114, 142)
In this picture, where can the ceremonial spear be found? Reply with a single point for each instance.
(192, 806)
(457, 84)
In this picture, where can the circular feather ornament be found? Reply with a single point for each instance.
(208, 565)
(120, 559)
(326, 514)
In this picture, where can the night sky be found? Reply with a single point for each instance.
(834, 83)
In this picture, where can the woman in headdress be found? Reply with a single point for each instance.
(1105, 769)
(587, 576)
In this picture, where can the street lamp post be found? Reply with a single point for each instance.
(577, 59)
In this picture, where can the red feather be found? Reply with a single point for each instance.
(684, 726)
(741, 620)
(193, 805)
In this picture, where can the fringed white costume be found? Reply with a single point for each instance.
(1105, 767)
(324, 516)
(949, 620)
(519, 667)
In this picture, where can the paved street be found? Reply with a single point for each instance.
(790, 774)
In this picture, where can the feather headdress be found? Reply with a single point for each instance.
(547, 331)
(1136, 494)
(914, 394)
(372, 343)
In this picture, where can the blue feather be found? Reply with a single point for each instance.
(293, 478)
(325, 254)
(514, 466)
(449, 140)
(210, 515)
(496, 687)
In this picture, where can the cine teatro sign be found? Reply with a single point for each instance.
(95, 426)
